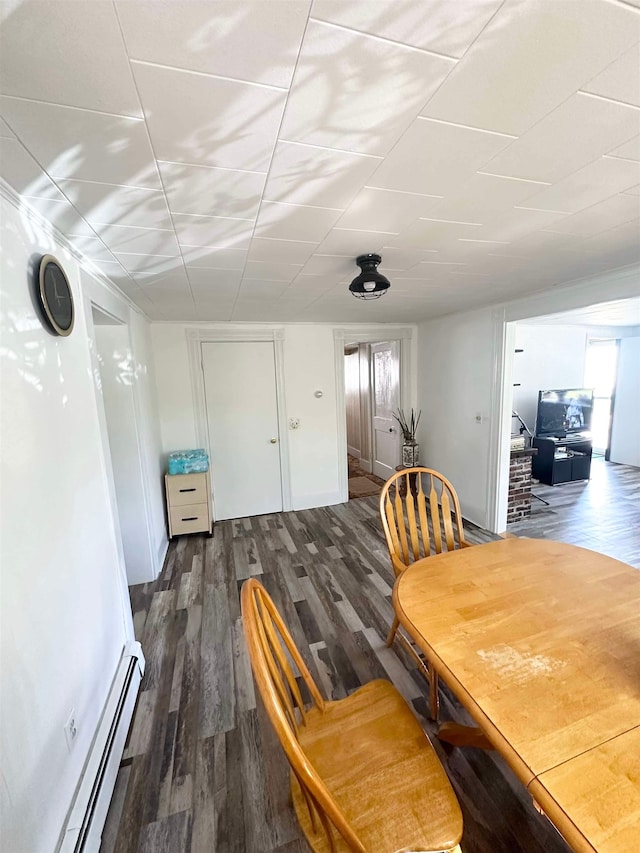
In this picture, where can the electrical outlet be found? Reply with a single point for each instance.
(294, 423)
(71, 730)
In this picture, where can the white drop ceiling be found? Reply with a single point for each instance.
(228, 160)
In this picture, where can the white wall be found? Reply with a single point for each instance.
(309, 366)
(455, 375)
(65, 615)
(117, 374)
(625, 429)
(552, 357)
(465, 367)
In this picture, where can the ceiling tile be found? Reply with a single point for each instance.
(62, 215)
(281, 251)
(386, 210)
(110, 204)
(174, 277)
(516, 224)
(589, 185)
(262, 290)
(249, 41)
(574, 134)
(621, 237)
(629, 151)
(208, 191)
(454, 154)
(5, 130)
(529, 59)
(145, 304)
(620, 80)
(271, 272)
(431, 234)
(351, 242)
(213, 231)
(606, 214)
(91, 146)
(88, 32)
(281, 221)
(209, 284)
(92, 248)
(237, 130)
(437, 25)
(483, 196)
(345, 89)
(20, 170)
(142, 241)
(115, 272)
(134, 263)
(214, 310)
(330, 265)
(196, 257)
(403, 259)
(306, 286)
(303, 174)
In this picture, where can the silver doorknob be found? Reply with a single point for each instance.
(274, 441)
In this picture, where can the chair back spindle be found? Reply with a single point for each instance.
(421, 516)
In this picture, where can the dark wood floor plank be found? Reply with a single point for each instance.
(207, 774)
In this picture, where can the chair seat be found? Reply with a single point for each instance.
(383, 772)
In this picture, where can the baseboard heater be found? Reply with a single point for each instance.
(83, 830)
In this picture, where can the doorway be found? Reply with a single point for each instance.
(601, 363)
(372, 394)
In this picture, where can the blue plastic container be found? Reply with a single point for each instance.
(188, 462)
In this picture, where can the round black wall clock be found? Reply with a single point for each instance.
(56, 296)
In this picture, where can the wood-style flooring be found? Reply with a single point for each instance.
(602, 513)
(362, 484)
(202, 770)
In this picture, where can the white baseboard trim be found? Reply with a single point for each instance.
(353, 451)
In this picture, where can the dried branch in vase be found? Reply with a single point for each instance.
(408, 426)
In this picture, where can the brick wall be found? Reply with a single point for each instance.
(519, 503)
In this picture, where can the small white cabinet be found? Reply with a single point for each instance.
(188, 503)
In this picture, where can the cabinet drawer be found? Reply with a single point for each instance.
(189, 518)
(186, 489)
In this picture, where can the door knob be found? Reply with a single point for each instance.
(274, 441)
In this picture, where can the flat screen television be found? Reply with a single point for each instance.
(562, 413)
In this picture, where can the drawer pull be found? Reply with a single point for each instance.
(188, 490)
(190, 518)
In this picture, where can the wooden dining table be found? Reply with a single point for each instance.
(540, 641)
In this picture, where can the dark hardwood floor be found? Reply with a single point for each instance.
(602, 513)
(202, 770)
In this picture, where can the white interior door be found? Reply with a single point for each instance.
(242, 414)
(385, 399)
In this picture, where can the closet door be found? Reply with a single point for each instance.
(242, 414)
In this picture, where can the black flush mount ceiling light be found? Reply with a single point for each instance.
(370, 284)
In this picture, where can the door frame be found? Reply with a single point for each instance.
(365, 335)
(198, 336)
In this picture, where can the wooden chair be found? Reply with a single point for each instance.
(420, 514)
(364, 776)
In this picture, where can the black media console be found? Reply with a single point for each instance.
(562, 460)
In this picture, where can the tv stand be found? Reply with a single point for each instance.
(562, 459)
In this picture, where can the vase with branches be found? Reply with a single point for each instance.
(409, 426)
